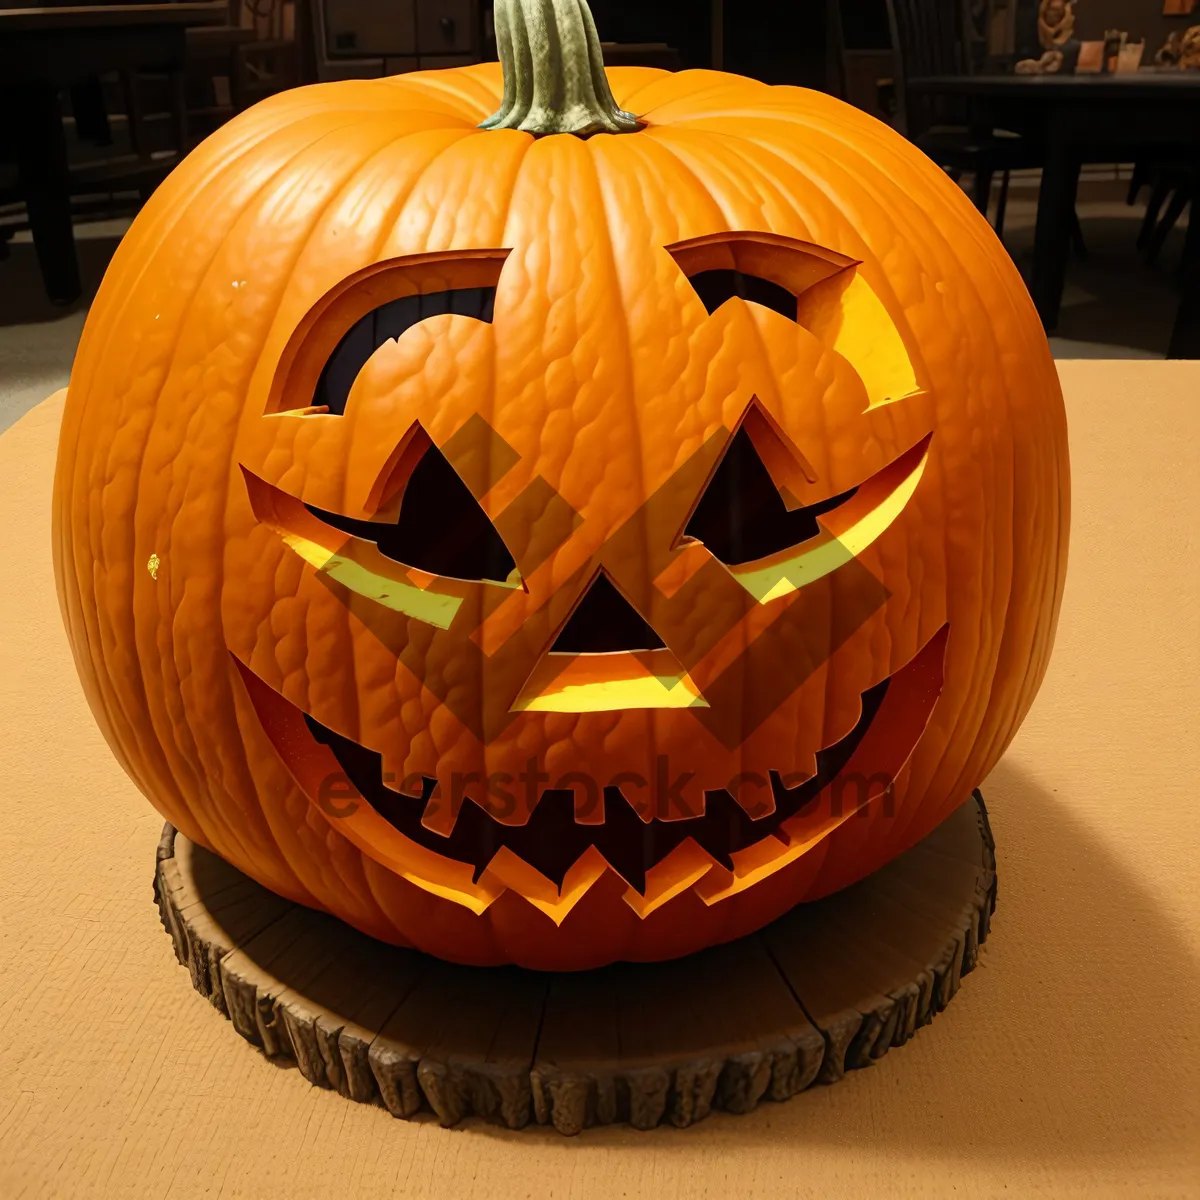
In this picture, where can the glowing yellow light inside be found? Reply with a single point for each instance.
(434, 608)
(861, 331)
(611, 695)
(769, 580)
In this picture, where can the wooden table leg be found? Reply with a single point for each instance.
(1185, 337)
(45, 184)
(1052, 235)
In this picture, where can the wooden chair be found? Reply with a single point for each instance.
(861, 56)
(930, 37)
(1173, 186)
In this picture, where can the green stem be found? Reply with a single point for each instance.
(554, 79)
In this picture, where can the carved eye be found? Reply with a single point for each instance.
(386, 323)
(440, 529)
(741, 517)
(716, 286)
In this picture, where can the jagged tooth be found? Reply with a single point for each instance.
(805, 768)
(394, 775)
(790, 801)
(727, 823)
(629, 868)
(473, 839)
(479, 866)
(628, 840)
(709, 839)
(551, 841)
(720, 857)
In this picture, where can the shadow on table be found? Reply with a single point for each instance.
(637, 1043)
(1068, 1043)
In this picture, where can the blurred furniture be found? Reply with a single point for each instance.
(1185, 337)
(217, 76)
(931, 39)
(229, 67)
(364, 39)
(1173, 186)
(46, 50)
(1089, 118)
(861, 56)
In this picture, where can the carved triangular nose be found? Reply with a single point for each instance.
(607, 657)
(604, 622)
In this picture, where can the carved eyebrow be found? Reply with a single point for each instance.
(385, 323)
(825, 294)
(716, 286)
(765, 268)
(329, 346)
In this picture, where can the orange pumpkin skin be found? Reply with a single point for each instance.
(611, 388)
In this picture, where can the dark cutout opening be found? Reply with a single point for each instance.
(605, 622)
(383, 324)
(440, 527)
(742, 517)
(631, 839)
(715, 287)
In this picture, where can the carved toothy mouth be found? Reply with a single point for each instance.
(552, 840)
(893, 717)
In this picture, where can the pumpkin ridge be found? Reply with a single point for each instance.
(639, 78)
(982, 717)
(689, 85)
(396, 246)
(636, 442)
(602, 185)
(190, 751)
(385, 230)
(441, 83)
(688, 144)
(164, 210)
(718, 183)
(121, 730)
(652, 143)
(882, 144)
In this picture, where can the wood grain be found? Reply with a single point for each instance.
(828, 988)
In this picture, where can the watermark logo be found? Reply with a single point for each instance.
(659, 797)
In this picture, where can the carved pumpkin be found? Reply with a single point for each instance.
(553, 549)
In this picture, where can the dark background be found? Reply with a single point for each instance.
(785, 41)
(778, 41)
(1113, 297)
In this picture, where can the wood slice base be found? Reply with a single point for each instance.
(827, 988)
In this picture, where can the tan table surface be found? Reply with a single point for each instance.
(1069, 1064)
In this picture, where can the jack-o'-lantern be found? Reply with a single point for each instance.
(575, 538)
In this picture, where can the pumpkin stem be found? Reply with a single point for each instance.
(554, 79)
